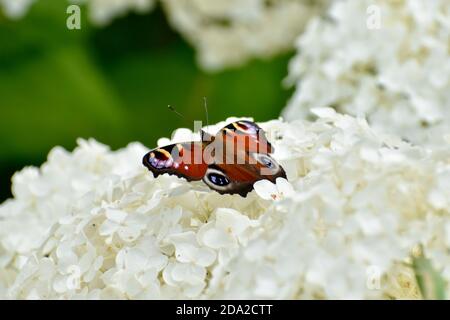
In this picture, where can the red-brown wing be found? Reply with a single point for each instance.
(181, 159)
(239, 178)
(245, 135)
(241, 157)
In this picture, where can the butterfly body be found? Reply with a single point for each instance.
(229, 162)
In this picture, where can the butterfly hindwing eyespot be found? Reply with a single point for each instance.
(216, 179)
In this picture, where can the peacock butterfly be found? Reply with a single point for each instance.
(229, 162)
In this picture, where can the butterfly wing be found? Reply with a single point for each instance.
(241, 157)
(248, 135)
(181, 159)
(239, 178)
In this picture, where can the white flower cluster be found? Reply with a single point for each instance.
(230, 32)
(96, 224)
(397, 75)
(42, 196)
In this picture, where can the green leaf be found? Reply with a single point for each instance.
(431, 282)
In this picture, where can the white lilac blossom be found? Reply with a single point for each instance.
(398, 75)
(96, 224)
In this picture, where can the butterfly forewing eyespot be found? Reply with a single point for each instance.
(160, 159)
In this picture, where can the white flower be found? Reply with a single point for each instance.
(128, 228)
(270, 191)
(230, 32)
(398, 75)
(188, 250)
(95, 224)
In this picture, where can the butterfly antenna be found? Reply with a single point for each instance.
(183, 117)
(206, 112)
(178, 114)
(175, 111)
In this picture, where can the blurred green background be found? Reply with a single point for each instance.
(112, 83)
